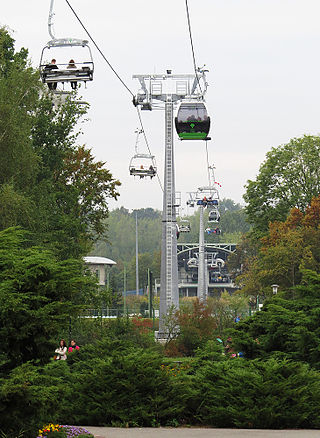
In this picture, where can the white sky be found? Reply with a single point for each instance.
(263, 61)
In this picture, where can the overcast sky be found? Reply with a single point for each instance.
(264, 69)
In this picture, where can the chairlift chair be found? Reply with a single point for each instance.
(82, 72)
(190, 203)
(212, 202)
(193, 262)
(217, 263)
(210, 230)
(143, 165)
(184, 226)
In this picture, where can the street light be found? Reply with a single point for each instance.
(275, 288)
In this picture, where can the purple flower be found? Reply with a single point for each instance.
(74, 431)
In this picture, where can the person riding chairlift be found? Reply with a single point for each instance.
(49, 67)
(73, 65)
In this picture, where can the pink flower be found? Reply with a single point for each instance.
(70, 349)
(77, 348)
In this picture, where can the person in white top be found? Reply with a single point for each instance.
(72, 64)
(61, 352)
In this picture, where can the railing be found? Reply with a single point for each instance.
(114, 313)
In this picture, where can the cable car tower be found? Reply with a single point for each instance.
(205, 197)
(165, 91)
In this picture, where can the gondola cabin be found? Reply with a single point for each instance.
(143, 165)
(214, 216)
(192, 121)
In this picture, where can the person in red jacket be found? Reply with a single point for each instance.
(73, 346)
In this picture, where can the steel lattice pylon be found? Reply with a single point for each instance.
(168, 89)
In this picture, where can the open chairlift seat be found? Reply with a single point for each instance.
(143, 165)
(84, 68)
(184, 226)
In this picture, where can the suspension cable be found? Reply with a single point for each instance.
(192, 47)
(99, 50)
(147, 143)
(118, 76)
(208, 163)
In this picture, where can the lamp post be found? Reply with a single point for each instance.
(274, 289)
(124, 291)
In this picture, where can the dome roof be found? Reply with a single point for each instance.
(93, 260)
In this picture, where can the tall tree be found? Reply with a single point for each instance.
(19, 91)
(48, 184)
(287, 325)
(38, 294)
(289, 177)
(284, 252)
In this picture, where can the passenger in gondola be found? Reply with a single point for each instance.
(191, 118)
(49, 67)
(152, 172)
(72, 64)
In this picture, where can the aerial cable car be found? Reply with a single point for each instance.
(69, 71)
(214, 216)
(142, 165)
(184, 226)
(193, 262)
(192, 121)
(213, 230)
(212, 202)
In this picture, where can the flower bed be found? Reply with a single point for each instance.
(63, 431)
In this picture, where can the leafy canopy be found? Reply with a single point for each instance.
(289, 177)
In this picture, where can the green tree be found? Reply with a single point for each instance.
(48, 184)
(287, 325)
(226, 309)
(72, 188)
(38, 294)
(289, 177)
(19, 91)
(284, 252)
(190, 328)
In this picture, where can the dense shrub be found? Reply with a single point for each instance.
(288, 325)
(131, 386)
(29, 398)
(272, 394)
(124, 388)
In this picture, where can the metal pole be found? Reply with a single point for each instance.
(50, 21)
(137, 257)
(202, 295)
(124, 290)
(169, 293)
(149, 293)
